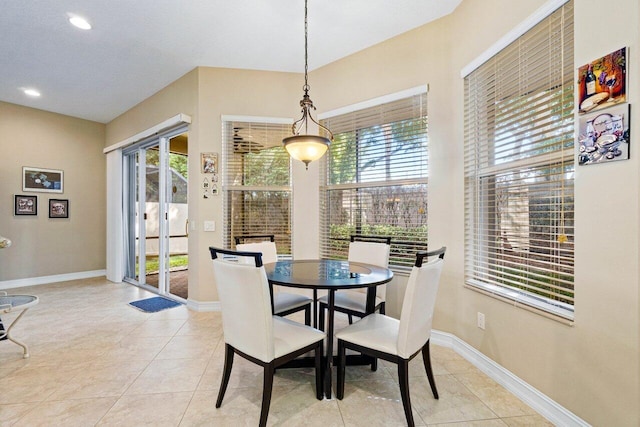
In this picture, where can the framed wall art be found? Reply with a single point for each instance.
(209, 162)
(58, 208)
(43, 180)
(603, 82)
(604, 135)
(25, 205)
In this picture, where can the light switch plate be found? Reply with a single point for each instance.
(209, 226)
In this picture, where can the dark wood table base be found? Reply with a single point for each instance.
(329, 275)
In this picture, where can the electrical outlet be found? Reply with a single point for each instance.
(481, 320)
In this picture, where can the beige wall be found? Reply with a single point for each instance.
(232, 92)
(180, 96)
(44, 246)
(591, 368)
(206, 94)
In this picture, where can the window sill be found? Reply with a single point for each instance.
(556, 311)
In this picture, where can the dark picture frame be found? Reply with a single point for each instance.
(58, 208)
(25, 205)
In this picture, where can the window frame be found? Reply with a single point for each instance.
(279, 127)
(481, 165)
(400, 259)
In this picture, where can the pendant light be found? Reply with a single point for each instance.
(305, 147)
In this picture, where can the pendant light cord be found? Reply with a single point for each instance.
(306, 47)
(306, 103)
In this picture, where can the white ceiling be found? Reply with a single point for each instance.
(137, 47)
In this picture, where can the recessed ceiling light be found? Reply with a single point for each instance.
(32, 92)
(79, 22)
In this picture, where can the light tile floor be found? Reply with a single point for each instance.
(95, 360)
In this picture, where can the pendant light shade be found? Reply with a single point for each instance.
(305, 147)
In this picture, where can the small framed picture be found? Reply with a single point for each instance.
(42, 180)
(209, 162)
(58, 208)
(25, 205)
(602, 83)
(604, 135)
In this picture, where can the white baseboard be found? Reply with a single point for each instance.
(32, 281)
(203, 306)
(544, 405)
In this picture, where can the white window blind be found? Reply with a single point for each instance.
(519, 168)
(374, 179)
(257, 182)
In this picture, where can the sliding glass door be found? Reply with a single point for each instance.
(156, 214)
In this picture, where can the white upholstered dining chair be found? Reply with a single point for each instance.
(353, 302)
(399, 341)
(250, 328)
(284, 303)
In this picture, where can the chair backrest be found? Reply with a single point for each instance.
(418, 305)
(370, 253)
(245, 300)
(259, 237)
(366, 238)
(420, 256)
(268, 250)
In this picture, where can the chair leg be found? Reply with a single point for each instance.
(426, 358)
(319, 377)
(383, 307)
(321, 317)
(315, 308)
(269, 371)
(342, 361)
(228, 364)
(307, 315)
(374, 362)
(403, 377)
(350, 319)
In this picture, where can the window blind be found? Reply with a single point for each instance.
(519, 168)
(374, 179)
(256, 182)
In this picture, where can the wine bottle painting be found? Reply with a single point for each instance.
(602, 83)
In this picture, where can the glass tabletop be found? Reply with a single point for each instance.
(9, 302)
(326, 274)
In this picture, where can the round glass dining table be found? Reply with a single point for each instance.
(330, 275)
(21, 303)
